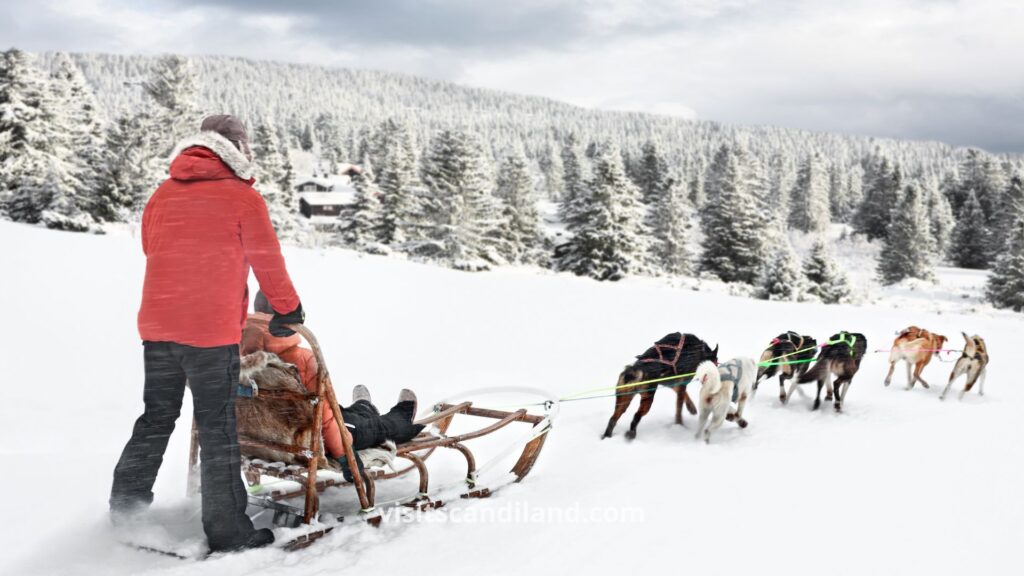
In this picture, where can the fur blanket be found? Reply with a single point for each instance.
(275, 421)
(286, 422)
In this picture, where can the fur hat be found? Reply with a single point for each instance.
(231, 128)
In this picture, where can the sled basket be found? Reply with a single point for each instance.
(309, 457)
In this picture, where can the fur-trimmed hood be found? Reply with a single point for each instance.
(223, 148)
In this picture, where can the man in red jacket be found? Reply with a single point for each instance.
(202, 230)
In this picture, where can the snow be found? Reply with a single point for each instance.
(900, 482)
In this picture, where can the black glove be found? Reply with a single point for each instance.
(346, 471)
(277, 323)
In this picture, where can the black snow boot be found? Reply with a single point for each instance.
(398, 422)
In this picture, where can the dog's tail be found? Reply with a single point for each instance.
(708, 377)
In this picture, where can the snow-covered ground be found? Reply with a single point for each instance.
(898, 483)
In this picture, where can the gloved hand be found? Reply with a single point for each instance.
(346, 471)
(277, 323)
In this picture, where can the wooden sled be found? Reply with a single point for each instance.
(312, 459)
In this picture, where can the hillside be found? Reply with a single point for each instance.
(361, 99)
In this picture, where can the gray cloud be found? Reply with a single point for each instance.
(920, 69)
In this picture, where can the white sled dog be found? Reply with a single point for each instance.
(972, 362)
(719, 386)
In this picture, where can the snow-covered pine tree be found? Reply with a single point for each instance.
(981, 173)
(781, 278)
(881, 193)
(809, 203)
(1006, 217)
(607, 233)
(669, 223)
(695, 191)
(908, 251)
(1005, 288)
(85, 139)
(971, 237)
(395, 166)
(269, 163)
(552, 182)
(781, 181)
(825, 280)
(466, 224)
(940, 219)
(171, 86)
(515, 188)
(361, 227)
(854, 192)
(574, 175)
(733, 240)
(36, 183)
(651, 174)
(122, 189)
(838, 193)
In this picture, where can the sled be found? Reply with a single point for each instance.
(317, 473)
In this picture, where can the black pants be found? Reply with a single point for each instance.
(369, 428)
(212, 375)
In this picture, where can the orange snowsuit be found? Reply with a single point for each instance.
(256, 336)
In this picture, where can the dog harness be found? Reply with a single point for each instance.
(677, 350)
(844, 338)
(732, 371)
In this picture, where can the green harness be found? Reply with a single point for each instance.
(844, 338)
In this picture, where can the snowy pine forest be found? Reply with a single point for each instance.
(473, 178)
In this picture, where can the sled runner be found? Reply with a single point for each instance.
(303, 460)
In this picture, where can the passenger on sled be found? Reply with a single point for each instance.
(364, 424)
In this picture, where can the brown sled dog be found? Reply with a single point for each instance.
(972, 362)
(274, 421)
(674, 354)
(915, 346)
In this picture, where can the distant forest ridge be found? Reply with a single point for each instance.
(359, 100)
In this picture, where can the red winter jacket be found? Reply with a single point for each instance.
(201, 231)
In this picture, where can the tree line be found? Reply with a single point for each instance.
(723, 207)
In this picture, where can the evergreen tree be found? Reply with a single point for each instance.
(85, 137)
(574, 193)
(652, 174)
(982, 174)
(171, 86)
(909, 250)
(550, 164)
(515, 189)
(1004, 220)
(809, 210)
(36, 183)
(465, 220)
(824, 279)
(940, 218)
(362, 227)
(781, 279)
(270, 172)
(733, 247)
(971, 237)
(839, 192)
(880, 197)
(782, 182)
(669, 223)
(395, 165)
(121, 189)
(607, 241)
(1005, 288)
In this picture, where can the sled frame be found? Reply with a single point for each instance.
(415, 451)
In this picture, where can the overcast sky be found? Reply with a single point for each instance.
(924, 69)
